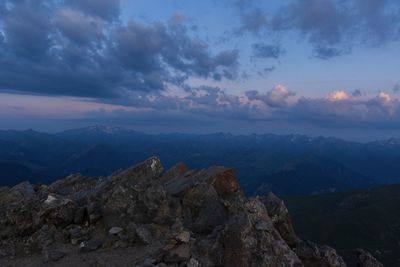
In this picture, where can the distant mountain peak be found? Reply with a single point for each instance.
(101, 129)
(107, 129)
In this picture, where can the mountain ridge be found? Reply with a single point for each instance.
(341, 165)
(143, 216)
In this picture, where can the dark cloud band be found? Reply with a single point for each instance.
(80, 48)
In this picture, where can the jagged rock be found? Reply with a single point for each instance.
(312, 254)
(149, 168)
(365, 259)
(245, 245)
(175, 171)
(57, 210)
(221, 178)
(180, 218)
(279, 215)
(71, 185)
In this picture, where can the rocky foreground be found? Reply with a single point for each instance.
(144, 216)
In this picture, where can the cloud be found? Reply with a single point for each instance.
(322, 23)
(337, 109)
(253, 21)
(338, 96)
(105, 9)
(27, 37)
(81, 48)
(78, 27)
(266, 51)
(356, 93)
(331, 27)
(278, 96)
(396, 88)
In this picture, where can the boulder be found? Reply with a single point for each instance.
(115, 230)
(57, 210)
(90, 245)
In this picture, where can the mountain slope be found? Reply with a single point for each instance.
(309, 175)
(348, 220)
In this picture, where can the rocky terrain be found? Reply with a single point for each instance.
(144, 216)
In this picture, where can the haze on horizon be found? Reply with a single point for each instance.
(316, 67)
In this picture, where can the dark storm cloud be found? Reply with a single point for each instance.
(79, 48)
(332, 27)
(26, 29)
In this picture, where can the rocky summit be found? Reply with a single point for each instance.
(146, 217)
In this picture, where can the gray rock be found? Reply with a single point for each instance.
(94, 211)
(175, 171)
(144, 234)
(115, 230)
(183, 237)
(279, 215)
(75, 232)
(245, 245)
(178, 254)
(148, 262)
(57, 210)
(53, 255)
(90, 245)
(193, 263)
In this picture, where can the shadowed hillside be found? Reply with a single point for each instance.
(346, 221)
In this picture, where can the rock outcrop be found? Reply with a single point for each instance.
(146, 217)
(365, 259)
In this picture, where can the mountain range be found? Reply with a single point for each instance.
(284, 164)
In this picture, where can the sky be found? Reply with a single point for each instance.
(316, 67)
